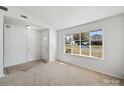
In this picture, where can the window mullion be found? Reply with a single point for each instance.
(90, 43)
(72, 44)
(80, 44)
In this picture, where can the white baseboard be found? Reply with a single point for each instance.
(52, 60)
(120, 77)
(96, 70)
(33, 60)
(2, 75)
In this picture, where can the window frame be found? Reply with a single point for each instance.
(80, 55)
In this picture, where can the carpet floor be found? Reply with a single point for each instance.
(56, 74)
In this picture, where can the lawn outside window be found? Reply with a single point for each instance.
(87, 44)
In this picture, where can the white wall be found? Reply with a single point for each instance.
(1, 45)
(21, 45)
(52, 45)
(113, 63)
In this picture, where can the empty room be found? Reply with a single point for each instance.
(61, 45)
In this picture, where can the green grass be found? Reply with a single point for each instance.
(96, 46)
(96, 50)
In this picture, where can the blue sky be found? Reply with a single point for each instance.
(96, 32)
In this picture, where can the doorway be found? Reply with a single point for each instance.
(45, 44)
(23, 44)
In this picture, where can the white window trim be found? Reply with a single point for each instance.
(79, 55)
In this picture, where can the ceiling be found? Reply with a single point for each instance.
(21, 23)
(60, 17)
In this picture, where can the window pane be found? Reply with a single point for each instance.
(96, 43)
(76, 43)
(85, 49)
(76, 47)
(68, 38)
(68, 49)
(68, 43)
(76, 36)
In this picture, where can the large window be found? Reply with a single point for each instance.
(85, 43)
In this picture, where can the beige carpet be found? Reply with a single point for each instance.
(22, 67)
(57, 73)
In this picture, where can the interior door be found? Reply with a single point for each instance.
(45, 45)
(34, 45)
(14, 45)
(1, 45)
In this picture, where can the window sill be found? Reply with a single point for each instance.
(90, 57)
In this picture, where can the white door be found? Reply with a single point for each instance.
(14, 45)
(1, 45)
(34, 45)
(45, 45)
